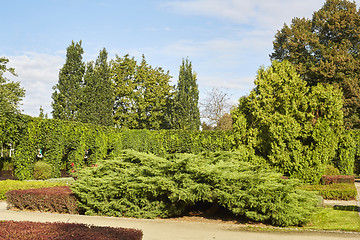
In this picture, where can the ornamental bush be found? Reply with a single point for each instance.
(296, 128)
(146, 186)
(42, 170)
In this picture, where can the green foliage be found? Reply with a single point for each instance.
(9, 185)
(337, 191)
(176, 141)
(296, 128)
(97, 93)
(345, 158)
(331, 170)
(186, 113)
(356, 136)
(65, 142)
(142, 185)
(10, 92)
(141, 94)
(61, 143)
(10, 96)
(42, 170)
(67, 95)
(325, 49)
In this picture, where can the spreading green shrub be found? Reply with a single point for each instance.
(42, 170)
(144, 185)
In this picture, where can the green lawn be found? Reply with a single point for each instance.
(344, 218)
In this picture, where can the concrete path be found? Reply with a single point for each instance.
(179, 230)
(172, 229)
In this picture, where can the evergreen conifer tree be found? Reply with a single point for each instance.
(97, 93)
(186, 114)
(67, 92)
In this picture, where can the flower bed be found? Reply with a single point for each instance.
(12, 230)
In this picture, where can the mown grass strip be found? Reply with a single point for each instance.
(341, 218)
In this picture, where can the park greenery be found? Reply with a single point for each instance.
(135, 145)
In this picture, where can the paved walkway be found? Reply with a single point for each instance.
(178, 230)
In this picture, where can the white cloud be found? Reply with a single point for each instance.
(262, 13)
(37, 73)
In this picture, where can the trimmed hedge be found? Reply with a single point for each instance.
(12, 230)
(9, 185)
(53, 199)
(65, 143)
(331, 179)
(146, 186)
(336, 191)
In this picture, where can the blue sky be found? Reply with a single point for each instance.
(226, 40)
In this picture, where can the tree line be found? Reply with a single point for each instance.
(125, 93)
(296, 117)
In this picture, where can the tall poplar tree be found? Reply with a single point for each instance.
(67, 92)
(97, 93)
(186, 114)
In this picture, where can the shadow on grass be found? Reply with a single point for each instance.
(347, 208)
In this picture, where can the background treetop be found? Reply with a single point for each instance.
(325, 49)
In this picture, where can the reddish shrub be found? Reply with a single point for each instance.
(11, 230)
(52, 199)
(330, 179)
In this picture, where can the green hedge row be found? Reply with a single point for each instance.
(336, 191)
(65, 144)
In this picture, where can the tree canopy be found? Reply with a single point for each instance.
(97, 93)
(297, 128)
(186, 113)
(11, 94)
(325, 49)
(141, 93)
(67, 96)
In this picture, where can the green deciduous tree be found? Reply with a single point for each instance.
(67, 96)
(11, 94)
(325, 49)
(97, 93)
(141, 94)
(297, 128)
(186, 114)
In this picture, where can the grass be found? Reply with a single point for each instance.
(342, 218)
